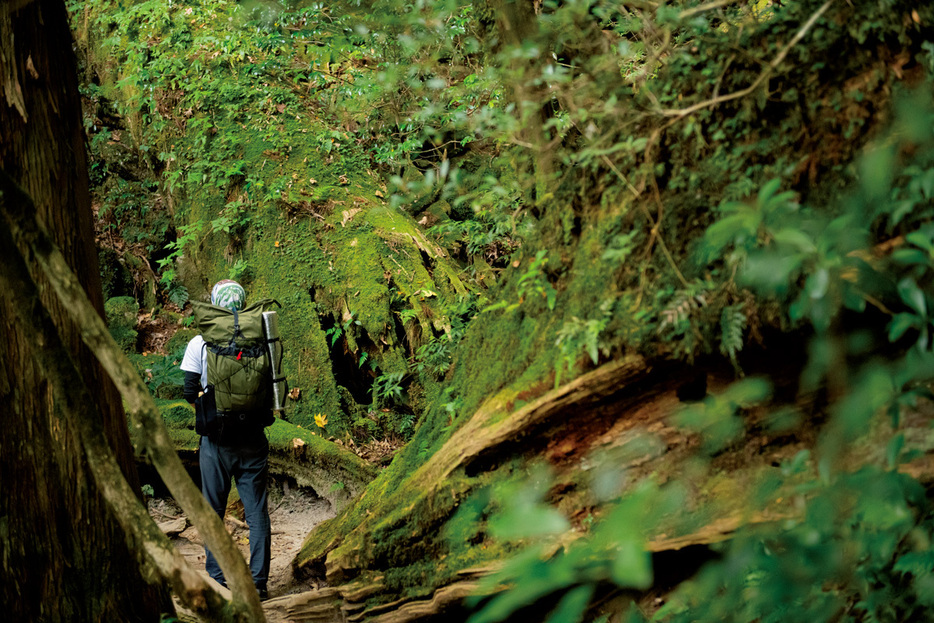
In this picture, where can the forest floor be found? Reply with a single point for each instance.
(294, 511)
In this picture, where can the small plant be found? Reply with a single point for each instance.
(620, 248)
(434, 356)
(176, 292)
(407, 314)
(533, 282)
(747, 225)
(335, 332)
(164, 378)
(241, 271)
(732, 325)
(918, 318)
(387, 388)
(576, 336)
(234, 218)
(406, 424)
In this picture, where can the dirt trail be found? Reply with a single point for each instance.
(293, 513)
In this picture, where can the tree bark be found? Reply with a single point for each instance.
(155, 555)
(518, 26)
(64, 556)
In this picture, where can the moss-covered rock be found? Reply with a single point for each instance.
(342, 263)
(116, 280)
(334, 472)
(122, 312)
(179, 341)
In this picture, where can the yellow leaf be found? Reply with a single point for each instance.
(321, 420)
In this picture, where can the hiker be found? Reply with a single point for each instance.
(233, 444)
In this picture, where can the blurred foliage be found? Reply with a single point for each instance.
(855, 540)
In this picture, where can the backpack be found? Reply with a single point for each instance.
(239, 372)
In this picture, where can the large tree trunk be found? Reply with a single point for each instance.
(64, 555)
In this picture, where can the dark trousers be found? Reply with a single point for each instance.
(247, 464)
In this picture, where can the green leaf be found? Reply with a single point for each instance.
(876, 171)
(927, 184)
(818, 283)
(894, 449)
(912, 296)
(910, 256)
(853, 300)
(551, 296)
(795, 238)
(571, 607)
(921, 239)
(901, 209)
(734, 228)
(527, 521)
(632, 567)
(768, 190)
(593, 351)
(798, 464)
(901, 323)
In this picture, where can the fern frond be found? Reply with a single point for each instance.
(732, 327)
(681, 308)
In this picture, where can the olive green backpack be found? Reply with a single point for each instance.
(238, 360)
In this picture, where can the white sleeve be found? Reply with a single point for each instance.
(191, 362)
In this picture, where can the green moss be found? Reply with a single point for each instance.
(116, 280)
(329, 251)
(332, 471)
(121, 314)
(177, 414)
(179, 340)
(398, 530)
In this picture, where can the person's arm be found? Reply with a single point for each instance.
(192, 386)
(192, 366)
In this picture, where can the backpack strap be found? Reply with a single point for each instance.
(236, 330)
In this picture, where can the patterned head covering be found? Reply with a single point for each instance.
(228, 293)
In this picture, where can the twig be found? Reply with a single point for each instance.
(710, 6)
(635, 192)
(281, 502)
(683, 112)
(648, 216)
(716, 87)
(167, 516)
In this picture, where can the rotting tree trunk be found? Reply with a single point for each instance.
(64, 554)
(346, 548)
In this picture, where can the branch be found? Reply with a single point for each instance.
(710, 6)
(683, 112)
(19, 228)
(655, 226)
